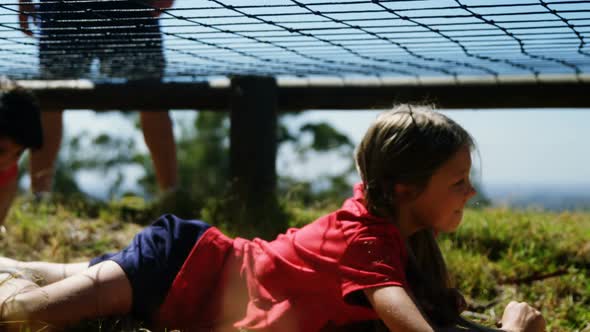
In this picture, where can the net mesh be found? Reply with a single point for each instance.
(189, 40)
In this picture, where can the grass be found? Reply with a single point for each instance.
(496, 255)
(539, 257)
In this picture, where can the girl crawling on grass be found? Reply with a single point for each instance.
(375, 258)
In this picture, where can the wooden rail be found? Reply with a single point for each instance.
(204, 96)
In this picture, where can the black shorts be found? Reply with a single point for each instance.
(125, 40)
(154, 258)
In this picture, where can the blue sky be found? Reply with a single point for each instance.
(518, 148)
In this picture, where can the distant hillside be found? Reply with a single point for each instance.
(547, 197)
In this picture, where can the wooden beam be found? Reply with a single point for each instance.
(514, 95)
(158, 96)
(136, 96)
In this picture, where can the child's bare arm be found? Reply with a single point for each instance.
(161, 4)
(399, 313)
(397, 310)
(26, 9)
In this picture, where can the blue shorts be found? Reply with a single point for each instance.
(153, 259)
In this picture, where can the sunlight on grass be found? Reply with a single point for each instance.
(539, 257)
(496, 255)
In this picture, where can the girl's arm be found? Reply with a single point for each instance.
(397, 310)
(25, 8)
(400, 313)
(161, 4)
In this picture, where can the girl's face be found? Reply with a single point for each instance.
(10, 152)
(440, 205)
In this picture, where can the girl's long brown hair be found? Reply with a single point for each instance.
(406, 146)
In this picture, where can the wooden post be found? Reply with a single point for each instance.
(253, 139)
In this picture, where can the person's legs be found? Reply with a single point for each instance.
(101, 290)
(44, 272)
(43, 160)
(134, 280)
(159, 138)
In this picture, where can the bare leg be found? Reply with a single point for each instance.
(159, 138)
(44, 272)
(9, 287)
(101, 290)
(43, 160)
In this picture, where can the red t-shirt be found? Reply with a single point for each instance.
(299, 282)
(8, 175)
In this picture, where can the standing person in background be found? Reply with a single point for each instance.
(20, 129)
(128, 44)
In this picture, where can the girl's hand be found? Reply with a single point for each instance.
(521, 317)
(26, 10)
(161, 4)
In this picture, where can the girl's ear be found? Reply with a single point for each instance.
(405, 192)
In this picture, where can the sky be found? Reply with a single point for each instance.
(516, 149)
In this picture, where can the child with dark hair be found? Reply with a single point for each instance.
(375, 258)
(20, 129)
